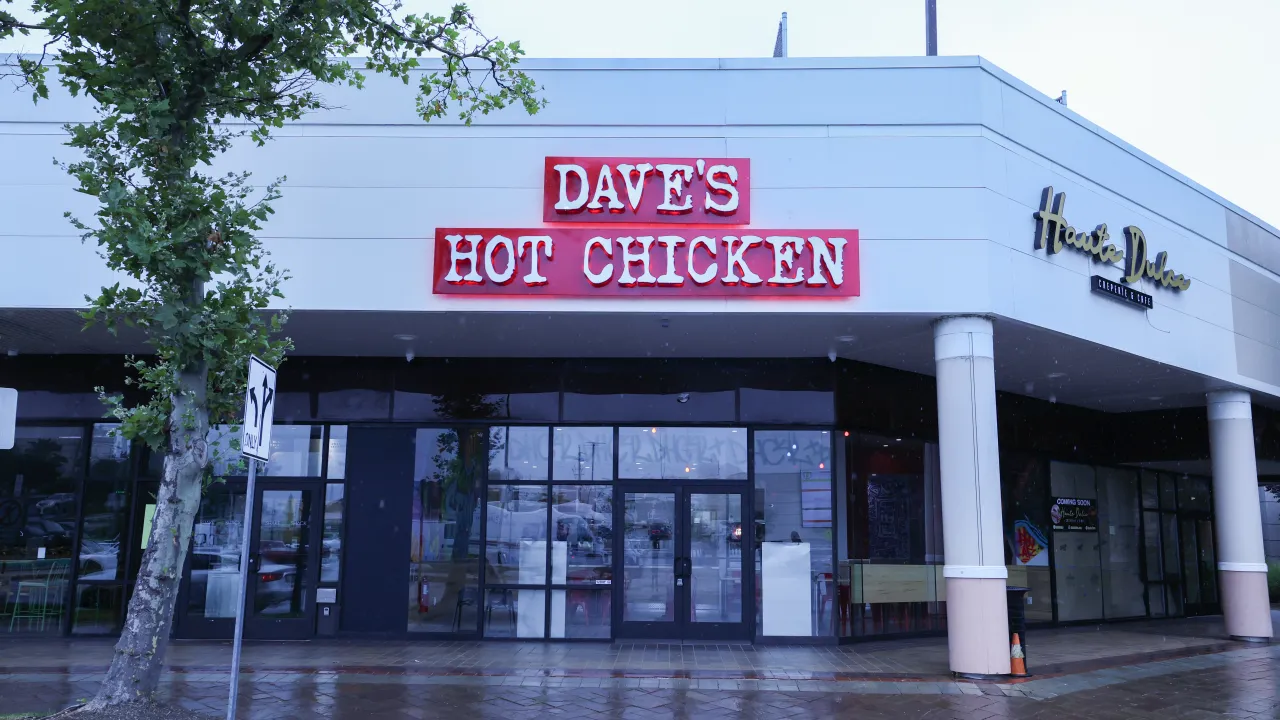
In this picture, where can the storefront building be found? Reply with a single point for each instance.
(595, 375)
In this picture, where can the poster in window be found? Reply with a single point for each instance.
(1031, 546)
(1074, 515)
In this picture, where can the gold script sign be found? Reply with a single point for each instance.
(1053, 232)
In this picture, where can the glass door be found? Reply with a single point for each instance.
(283, 564)
(680, 558)
(1199, 565)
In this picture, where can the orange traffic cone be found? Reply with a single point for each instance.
(1017, 662)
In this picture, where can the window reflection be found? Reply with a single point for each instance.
(39, 478)
(331, 543)
(449, 467)
(518, 453)
(668, 453)
(583, 454)
(216, 541)
(295, 451)
(337, 469)
(584, 522)
(793, 518)
(280, 582)
(106, 502)
(516, 550)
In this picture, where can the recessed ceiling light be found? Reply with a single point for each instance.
(405, 337)
(1056, 375)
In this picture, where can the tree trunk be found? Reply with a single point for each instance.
(139, 655)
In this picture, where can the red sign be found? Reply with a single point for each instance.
(618, 262)
(695, 191)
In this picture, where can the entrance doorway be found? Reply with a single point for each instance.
(284, 563)
(681, 557)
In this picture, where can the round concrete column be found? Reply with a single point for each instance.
(977, 616)
(1242, 563)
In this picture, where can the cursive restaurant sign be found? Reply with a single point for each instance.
(642, 227)
(1053, 232)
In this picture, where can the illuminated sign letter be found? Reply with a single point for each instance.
(635, 190)
(674, 178)
(785, 249)
(832, 256)
(525, 242)
(606, 190)
(606, 274)
(706, 276)
(736, 262)
(456, 256)
(642, 257)
(671, 277)
(505, 276)
(718, 187)
(566, 205)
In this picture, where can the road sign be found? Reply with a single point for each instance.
(8, 416)
(259, 410)
(255, 444)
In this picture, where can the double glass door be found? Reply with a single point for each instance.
(681, 554)
(284, 561)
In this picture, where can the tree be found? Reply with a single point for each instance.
(175, 83)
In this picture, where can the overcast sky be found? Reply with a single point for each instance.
(1195, 83)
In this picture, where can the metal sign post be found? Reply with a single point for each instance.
(8, 416)
(255, 444)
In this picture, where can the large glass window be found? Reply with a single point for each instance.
(39, 481)
(331, 543)
(295, 451)
(445, 538)
(216, 541)
(516, 533)
(337, 468)
(583, 454)
(1077, 559)
(519, 454)
(682, 453)
(102, 549)
(1024, 481)
(891, 582)
(1120, 542)
(794, 553)
(106, 505)
(583, 516)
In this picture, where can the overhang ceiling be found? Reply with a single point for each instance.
(1029, 361)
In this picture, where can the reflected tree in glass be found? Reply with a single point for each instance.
(448, 492)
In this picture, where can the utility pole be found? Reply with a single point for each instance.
(931, 27)
(780, 43)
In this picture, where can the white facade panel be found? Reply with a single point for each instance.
(938, 163)
(1057, 136)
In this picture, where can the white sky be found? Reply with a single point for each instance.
(1195, 83)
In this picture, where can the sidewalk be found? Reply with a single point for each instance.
(406, 679)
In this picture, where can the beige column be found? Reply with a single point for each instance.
(1237, 518)
(969, 462)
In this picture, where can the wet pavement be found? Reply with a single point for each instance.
(1181, 669)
